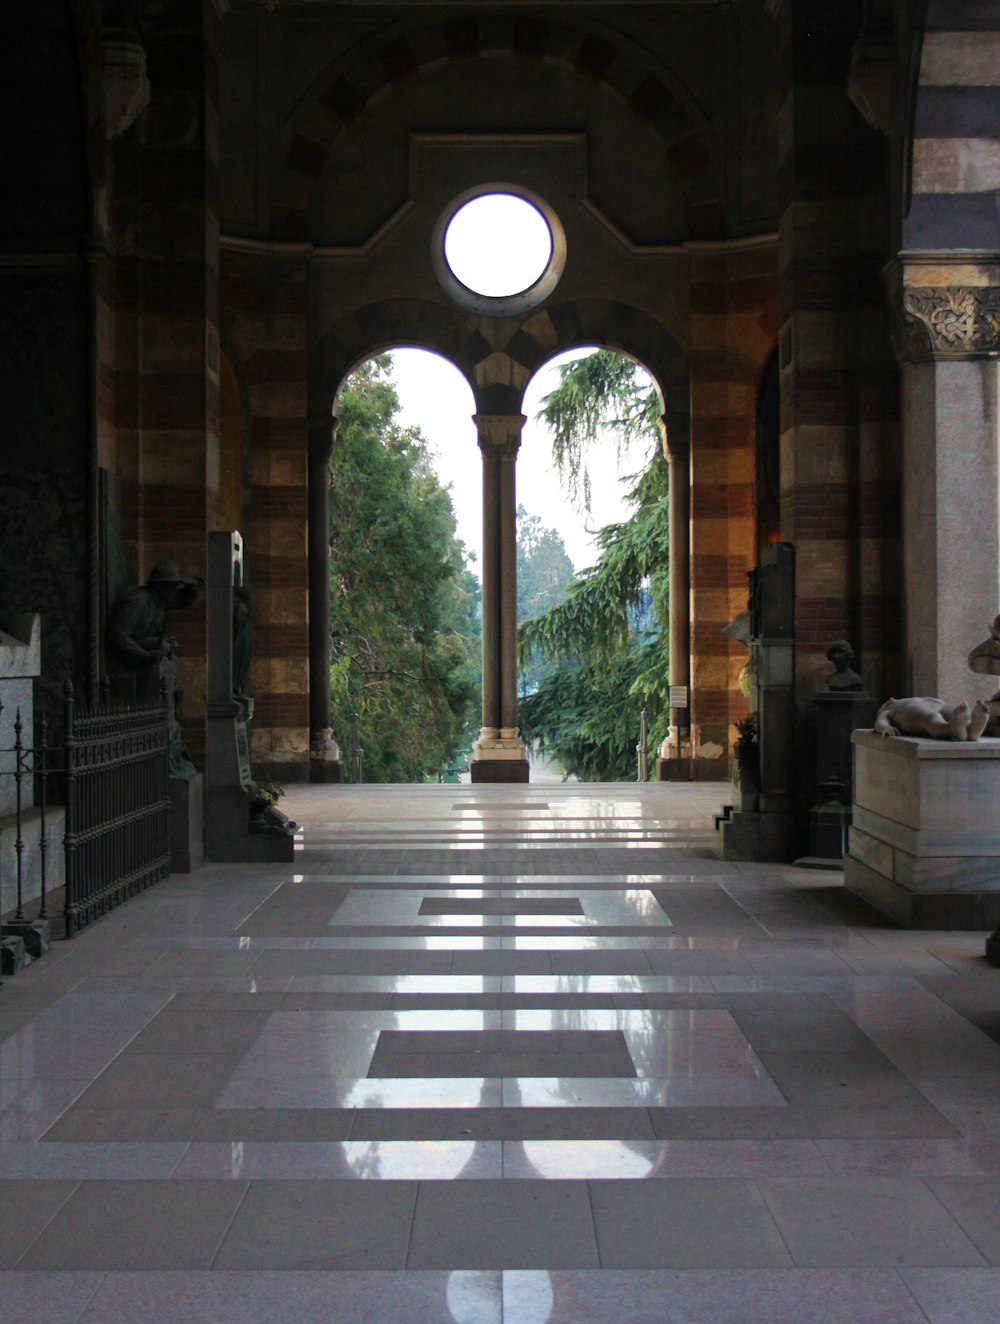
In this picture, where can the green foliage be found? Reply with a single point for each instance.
(544, 572)
(587, 719)
(598, 397)
(404, 606)
(608, 635)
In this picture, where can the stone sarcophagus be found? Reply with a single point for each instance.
(925, 840)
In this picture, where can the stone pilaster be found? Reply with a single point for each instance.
(675, 751)
(324, 752)
(948, 342)
(839, 399)
(177, 325)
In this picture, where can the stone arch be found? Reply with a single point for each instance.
(615, 326)
(379, 327)
(655, 95)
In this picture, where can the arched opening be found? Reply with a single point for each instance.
(403, 592)
(593, 495)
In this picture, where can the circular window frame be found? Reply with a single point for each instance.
(503, 305)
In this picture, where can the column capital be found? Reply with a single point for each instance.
(322, 432)
(944, 308)
(499, 434)
(676, 445)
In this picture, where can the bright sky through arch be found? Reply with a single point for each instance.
(498, 244)
(436, 398)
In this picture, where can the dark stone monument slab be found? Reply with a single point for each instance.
(227, 754)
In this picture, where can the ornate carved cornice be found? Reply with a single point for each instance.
(126, 86)
(948, 321)
(945, 309)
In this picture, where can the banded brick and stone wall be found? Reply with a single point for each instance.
(264, 297)
(955, 169)
(734, 291)
(158, 324)
(840, 489)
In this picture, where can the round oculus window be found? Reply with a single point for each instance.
(499, 252)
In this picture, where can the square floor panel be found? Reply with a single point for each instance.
(501, 905)
(321, 1225)
(487, 1053)
(502, 1225)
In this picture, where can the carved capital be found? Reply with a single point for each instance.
(675, 442)
(322, 434)
(949, 322)
(500, 434)
(126, 87)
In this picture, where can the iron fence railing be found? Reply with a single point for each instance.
(112, 765)
(29, 761)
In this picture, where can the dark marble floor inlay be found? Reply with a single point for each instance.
(501, 905)
(490, 1053)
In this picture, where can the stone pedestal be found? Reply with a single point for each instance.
(759, 835)
(499, 770)
(499, 755)
(838, 714)
(925, 840)
(187, 827)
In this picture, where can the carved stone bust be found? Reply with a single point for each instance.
(842, 678)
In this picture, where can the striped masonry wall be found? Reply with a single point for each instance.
(956, 143)
(264, 298)
(174, 366)
(733, 327)
(839, 471)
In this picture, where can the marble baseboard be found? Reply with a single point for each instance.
(968, 909)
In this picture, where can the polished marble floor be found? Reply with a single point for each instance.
(502, 1055)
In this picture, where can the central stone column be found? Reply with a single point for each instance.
(674, 762)
(948, 341)
(499, 753)
(324, 752)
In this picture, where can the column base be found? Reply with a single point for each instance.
(499, 770)
(499, 743)
(325, 767)
(187, 830)
(673, 770)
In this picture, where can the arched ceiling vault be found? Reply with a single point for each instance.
(604, 59)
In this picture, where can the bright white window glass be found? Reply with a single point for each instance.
(498, 244)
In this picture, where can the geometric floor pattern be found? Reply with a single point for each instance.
(502, 1055)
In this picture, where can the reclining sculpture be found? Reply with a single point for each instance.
(933, 718)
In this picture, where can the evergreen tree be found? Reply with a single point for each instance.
(404, 605)
(608, 636)
(544, 571)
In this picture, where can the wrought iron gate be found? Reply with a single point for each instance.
(117, 805)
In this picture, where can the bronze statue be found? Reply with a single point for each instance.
(137, 637)
(841, 654)
(139, 647)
